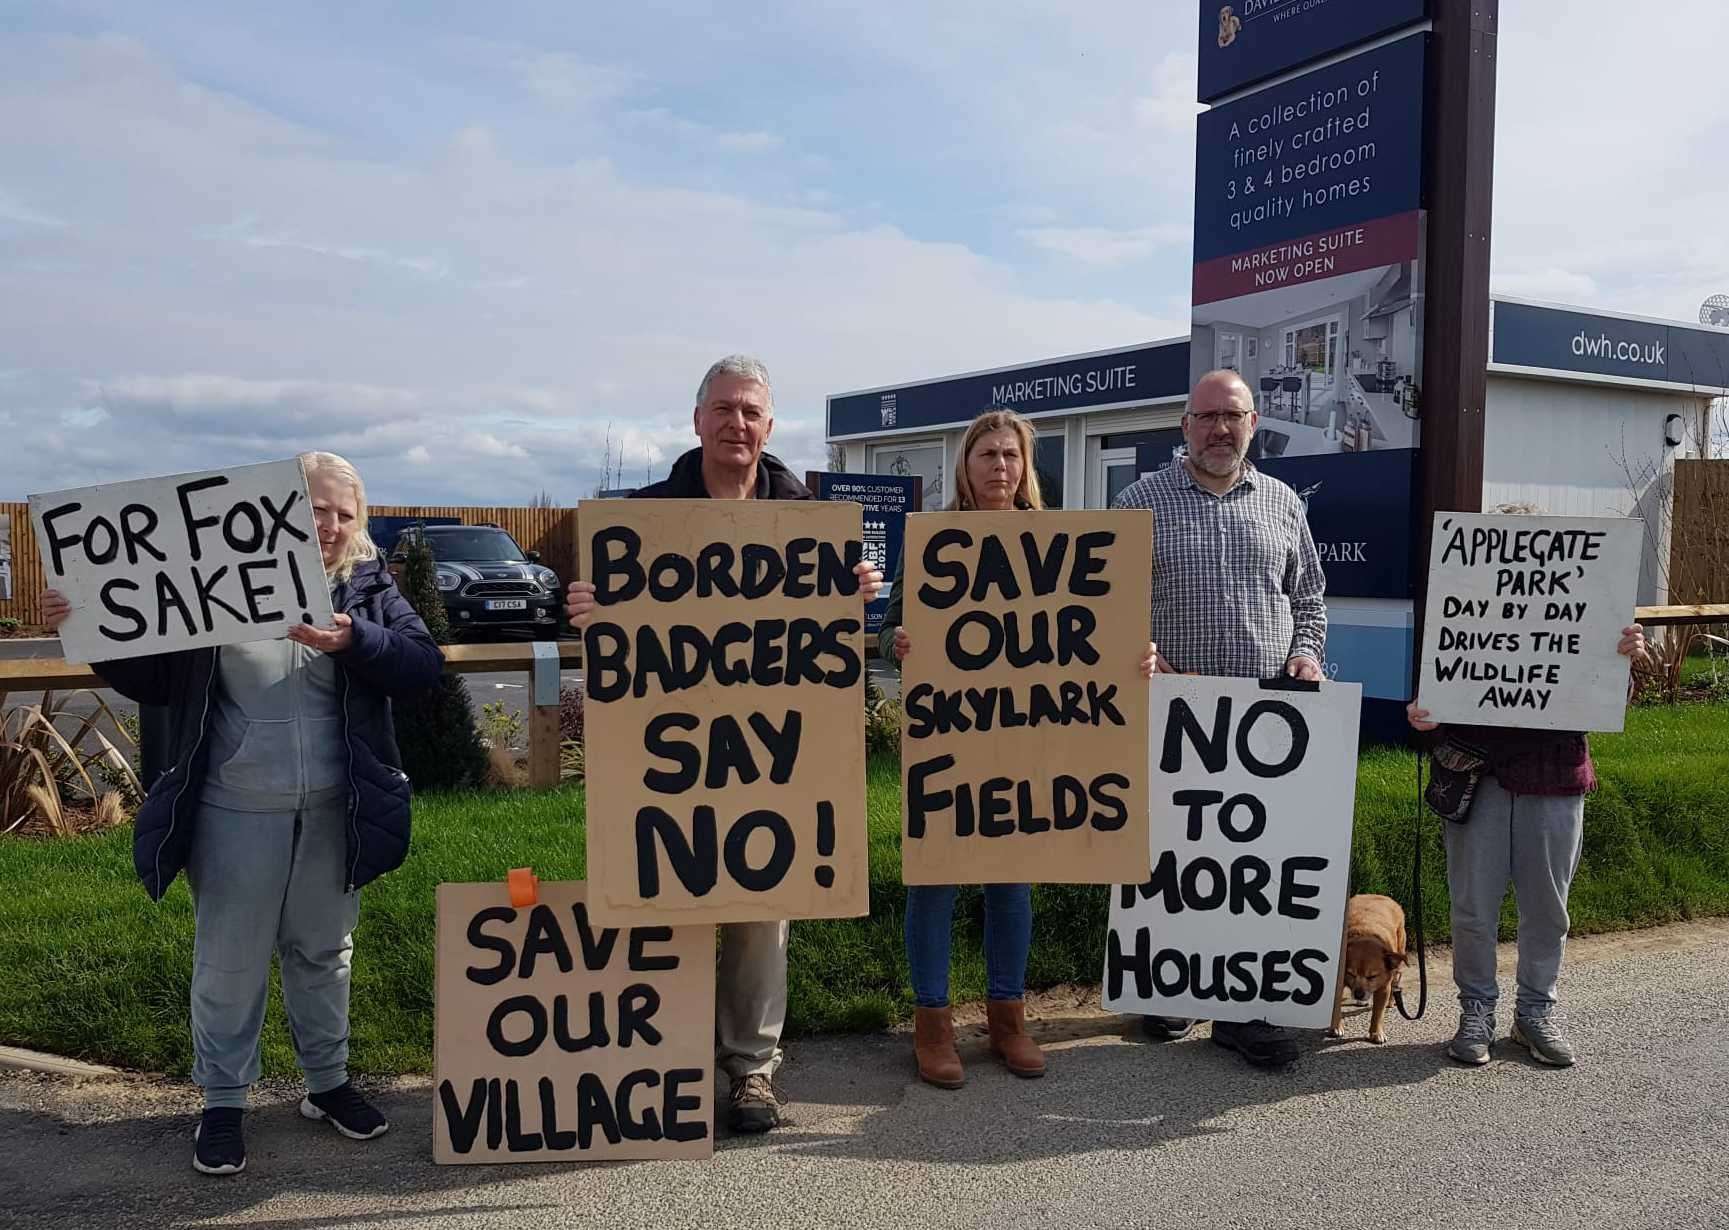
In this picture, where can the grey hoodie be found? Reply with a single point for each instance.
(276, 732)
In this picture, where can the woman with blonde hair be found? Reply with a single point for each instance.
(993, 473)
(283, 798)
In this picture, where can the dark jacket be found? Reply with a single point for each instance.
(392, 654)
(773, 481)
(1544, 762)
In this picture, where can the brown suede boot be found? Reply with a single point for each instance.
(1010, 1042)
(934, 1048)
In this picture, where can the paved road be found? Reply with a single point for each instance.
(1120, 1133)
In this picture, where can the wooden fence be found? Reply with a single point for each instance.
(550, 531)
(1699, 541)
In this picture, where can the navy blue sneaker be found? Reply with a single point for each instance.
(219, 1144)
(346, 1111)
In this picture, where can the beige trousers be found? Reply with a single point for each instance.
(750, 998)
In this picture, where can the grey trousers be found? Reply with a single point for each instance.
(750, 998)
(1533, 840)
(263, 883)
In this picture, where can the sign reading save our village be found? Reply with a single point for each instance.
(1523, 617)
(559, 1040)
(189, 561)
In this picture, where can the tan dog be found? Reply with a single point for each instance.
(1373, 959)
(1229, 24)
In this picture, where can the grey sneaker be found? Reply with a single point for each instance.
(1542, 1036)
(1470, 1045)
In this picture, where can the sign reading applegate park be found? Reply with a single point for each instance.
(1523, 617)
(725, 683)
(184, 562)
(1023, 747)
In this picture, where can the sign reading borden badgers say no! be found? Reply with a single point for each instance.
(185, 562)
(1523, 617)
(724, 672)
(557, 1040)
(1253, 791)
(1024, 745)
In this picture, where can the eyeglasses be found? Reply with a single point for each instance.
(1212, 418)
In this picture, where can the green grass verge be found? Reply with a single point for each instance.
(93, 969)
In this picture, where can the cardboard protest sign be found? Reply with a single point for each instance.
(559, 1040)
(1242, 919)
(1523, 617)
(185, 562)
(1023, 748)
(725, 734)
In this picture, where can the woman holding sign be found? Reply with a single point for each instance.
(283, 799)
(1515, 802)
(993, 473)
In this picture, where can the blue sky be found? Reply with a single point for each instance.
(460, 241)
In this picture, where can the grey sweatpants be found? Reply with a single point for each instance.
(265, 882)
(1533, 840)
(750, 998)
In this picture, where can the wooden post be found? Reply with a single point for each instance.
(543, 747)
(1459, 179)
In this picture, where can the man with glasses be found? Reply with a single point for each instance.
(1237, 590)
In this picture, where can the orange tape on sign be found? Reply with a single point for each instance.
(524, 886)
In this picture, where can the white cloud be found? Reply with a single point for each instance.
(567, 79)
(15, 211)
(485, 444)
(748, 142)
(1097, 245)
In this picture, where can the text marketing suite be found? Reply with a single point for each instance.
(185, 562)
(1023, 748)
(725, 679)
(560, 1040)
(1253, 790)
(1523, 617)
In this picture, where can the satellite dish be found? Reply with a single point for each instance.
(1715, 311)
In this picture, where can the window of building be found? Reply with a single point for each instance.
(1049, 454)
(923, 459)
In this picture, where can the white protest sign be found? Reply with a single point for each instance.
(1523, 617)
(184, 562)
(557, 1040)
(1252, 795)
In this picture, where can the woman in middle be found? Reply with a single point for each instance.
(993, 473)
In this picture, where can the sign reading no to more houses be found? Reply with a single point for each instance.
(724, 673)
(1523, 617)
(185, 562)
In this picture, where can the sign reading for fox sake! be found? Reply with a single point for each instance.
(559, 1040)
(1023, 747)
(1241, 920)
(1523, 617)
(724, 671)
(185, 562)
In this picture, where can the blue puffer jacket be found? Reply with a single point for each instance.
(392, 655)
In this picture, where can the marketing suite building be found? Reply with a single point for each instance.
(1586, 413)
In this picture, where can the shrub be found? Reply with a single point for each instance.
(882, 722)
(570, 715)
(500, 725)
(435, 730)
(57, 766)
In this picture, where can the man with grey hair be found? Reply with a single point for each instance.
(1237, 590)
(734, 418)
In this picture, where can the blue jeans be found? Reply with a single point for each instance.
(930, 930)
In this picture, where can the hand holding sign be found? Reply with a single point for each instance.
(334, 639)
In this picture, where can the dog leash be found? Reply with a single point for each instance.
(1416, 914)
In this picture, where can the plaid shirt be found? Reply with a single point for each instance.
(1237, 582)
